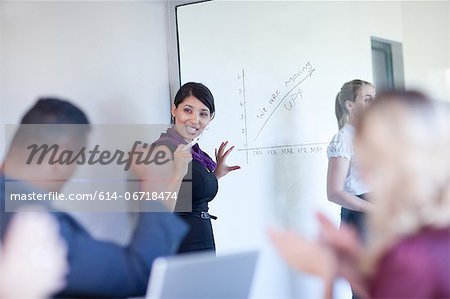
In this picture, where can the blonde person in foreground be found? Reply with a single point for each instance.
(402, 142)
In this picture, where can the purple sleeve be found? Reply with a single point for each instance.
(404, 272)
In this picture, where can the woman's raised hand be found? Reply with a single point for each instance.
(222, 168)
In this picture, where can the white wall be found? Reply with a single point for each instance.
(426, 46)
(110, 58)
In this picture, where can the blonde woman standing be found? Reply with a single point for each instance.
(344, 184)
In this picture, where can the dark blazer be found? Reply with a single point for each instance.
(105, 269)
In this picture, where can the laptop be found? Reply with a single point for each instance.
(202, 276)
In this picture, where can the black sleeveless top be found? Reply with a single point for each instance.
(202, 186)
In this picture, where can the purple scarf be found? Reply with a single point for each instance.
(173, 137)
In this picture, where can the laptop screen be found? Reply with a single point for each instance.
(202, 275)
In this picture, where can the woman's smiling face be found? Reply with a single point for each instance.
(191, 118)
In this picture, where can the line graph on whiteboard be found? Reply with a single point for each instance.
(286, 98)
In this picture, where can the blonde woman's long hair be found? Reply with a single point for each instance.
(403, 142)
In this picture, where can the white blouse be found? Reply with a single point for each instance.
(342, 146)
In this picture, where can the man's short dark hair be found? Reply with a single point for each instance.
(54, 111)
(52, 121)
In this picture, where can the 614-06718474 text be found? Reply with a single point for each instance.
(97, 195)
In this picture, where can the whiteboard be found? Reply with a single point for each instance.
(275, 69)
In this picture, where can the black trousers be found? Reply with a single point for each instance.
(358, 221)
(200, 236)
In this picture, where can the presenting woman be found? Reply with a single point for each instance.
(192, 111)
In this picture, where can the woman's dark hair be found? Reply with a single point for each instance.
(198, 90)
(348, 92)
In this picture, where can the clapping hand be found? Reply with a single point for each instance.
(33, 261)
(305, 255)
(344, 242)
